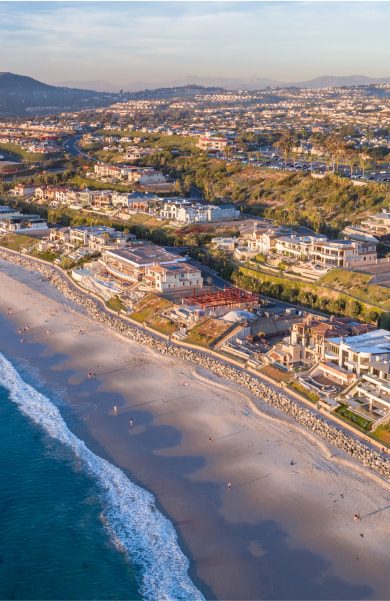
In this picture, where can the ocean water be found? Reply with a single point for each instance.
(72, 525)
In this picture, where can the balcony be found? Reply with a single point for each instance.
(351, 364)
(331, 356)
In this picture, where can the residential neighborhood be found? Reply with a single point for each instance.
(177, 211)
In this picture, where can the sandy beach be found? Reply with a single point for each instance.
(284, 530)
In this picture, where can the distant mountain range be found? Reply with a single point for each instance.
(21, 95)
(253, 83)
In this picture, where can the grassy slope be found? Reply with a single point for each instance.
(17, 241)
(207, 332)
(155, 140)
(317, 289)
(357, 285)
(20, 153)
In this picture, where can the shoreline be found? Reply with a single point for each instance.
(261, 387)
(275, 516)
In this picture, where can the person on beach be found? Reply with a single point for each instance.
(20, 331)
(229, 485)
(131, 422)
(210, 439)
(89, 376)
(94, 375)
(115, 410)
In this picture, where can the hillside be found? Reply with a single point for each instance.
(21, 96)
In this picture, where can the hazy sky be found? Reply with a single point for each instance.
(124, 42)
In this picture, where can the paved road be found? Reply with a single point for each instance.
(70, 146)
(196, 193)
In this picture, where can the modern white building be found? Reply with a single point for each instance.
(23, 224)
(6, 211)
(173, 277)
(318, 249)
(131, 263)
(206, 143)
(202, 213)
(357, 353)
(226, 243)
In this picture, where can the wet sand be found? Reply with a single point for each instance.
(282, 532)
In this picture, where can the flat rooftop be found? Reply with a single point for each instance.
(145, 255)
(376, 342)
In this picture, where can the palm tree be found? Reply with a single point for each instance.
(363, 164)
(286, 144)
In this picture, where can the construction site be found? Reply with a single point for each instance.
(219, 300)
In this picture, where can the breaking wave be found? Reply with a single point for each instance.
(131, 518)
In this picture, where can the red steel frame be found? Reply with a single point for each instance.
(221, 298)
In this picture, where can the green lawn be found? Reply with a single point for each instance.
(354, 419)
(20, 153)
(115, 303)
(149, 306)
(155, 140)
(139, 218)
(17, 241)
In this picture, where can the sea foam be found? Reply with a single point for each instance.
(131, 517)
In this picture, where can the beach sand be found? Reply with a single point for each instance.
(282, 531)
